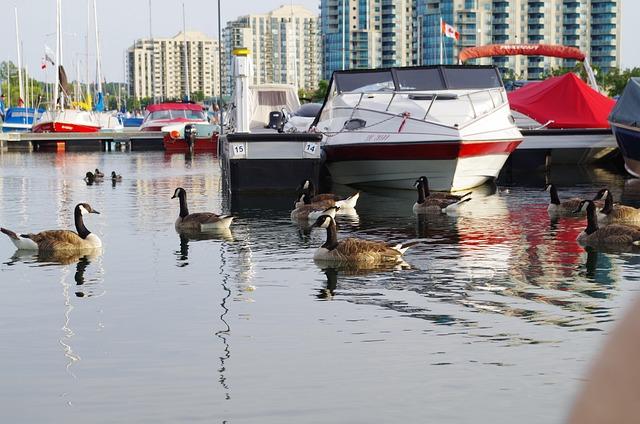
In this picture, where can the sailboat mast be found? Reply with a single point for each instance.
(186, 57)
(86, 58)
(20, 81)
(98, 72)
(56, 87)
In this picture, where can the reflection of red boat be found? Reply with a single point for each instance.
(172, 118)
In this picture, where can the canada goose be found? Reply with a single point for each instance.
(617, 214)
(432, 205)
(115, 177)
(98, 174)
(440, 195)
(566, 208)
(354, 250)
(614, 234)
(55, 240)
(312, 212)
(201, 221)
(90, 178)
(307, 187)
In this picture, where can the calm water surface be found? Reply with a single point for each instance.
(495, 320)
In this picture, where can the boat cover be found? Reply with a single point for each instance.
(267, 98)
(566, 100)
(627, 110)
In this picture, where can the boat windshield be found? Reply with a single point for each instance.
(419, 79)
(196, 115)
(365, 82)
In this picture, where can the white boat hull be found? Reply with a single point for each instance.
(444, 175)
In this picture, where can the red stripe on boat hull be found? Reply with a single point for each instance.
(61, 127)
(441, 150)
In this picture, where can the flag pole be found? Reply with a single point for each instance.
(441, 42)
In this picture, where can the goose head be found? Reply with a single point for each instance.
(585, 205)
(113, 174)
(548, 187)
(602, 194)
(323, 221)
(180, 193)
(86, 209)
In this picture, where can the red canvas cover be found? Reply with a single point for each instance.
(566, 100)
(520, 49)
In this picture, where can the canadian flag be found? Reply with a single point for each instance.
(449, 31)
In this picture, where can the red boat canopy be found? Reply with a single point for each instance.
(174, 106)
(566, 100)
(520, 49)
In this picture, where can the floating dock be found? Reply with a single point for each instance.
(95, 141)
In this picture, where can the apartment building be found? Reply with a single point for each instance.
(284, 46)
(382, 33)
(156, 67)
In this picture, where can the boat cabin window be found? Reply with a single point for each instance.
(420, 79)
(161, 114)
(365, 82)
(272, 98)
(468, 78)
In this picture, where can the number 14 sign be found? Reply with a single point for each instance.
(311, 149)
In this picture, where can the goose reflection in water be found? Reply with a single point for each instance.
(350, 270)
(182, 254)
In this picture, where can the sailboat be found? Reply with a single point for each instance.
(59, 119)
(20, 117)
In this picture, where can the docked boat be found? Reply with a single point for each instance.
(385, 127)
(625, 123)
(20, 119)
(67, 120)
(171, 118)
(563, 119)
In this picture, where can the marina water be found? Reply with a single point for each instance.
(496, 318)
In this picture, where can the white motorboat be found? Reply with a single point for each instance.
(387, 127)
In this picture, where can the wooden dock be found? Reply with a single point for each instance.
(95, 141)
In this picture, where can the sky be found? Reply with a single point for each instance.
(121, 22)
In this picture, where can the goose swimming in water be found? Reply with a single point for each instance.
(199, 221)
(327, 199)
(98, 174)
(557, 208)
(115, 177)
(438, 194)
(355, 250)
(433, 205)
(614, 234)
(59, 240)
(617, 214)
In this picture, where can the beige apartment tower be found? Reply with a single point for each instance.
(156, 67)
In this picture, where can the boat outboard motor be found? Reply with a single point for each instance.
(190, 134)
(276, 121)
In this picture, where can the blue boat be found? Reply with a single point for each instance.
(625, 124)
(20, 118)
(132, 122)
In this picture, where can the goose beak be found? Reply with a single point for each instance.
(95, 211)
(173, 197)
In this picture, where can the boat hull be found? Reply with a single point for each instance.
(63, 127)
(628, 139)
(450, 166)
(208, 144)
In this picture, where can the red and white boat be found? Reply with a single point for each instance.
(387, 127)
(171, 118)
(65, 121)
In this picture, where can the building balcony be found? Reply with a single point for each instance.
(500, 21)
(607, 20)
(603, 42)
(603, 31)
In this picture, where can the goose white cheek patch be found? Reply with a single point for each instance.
(83, 210)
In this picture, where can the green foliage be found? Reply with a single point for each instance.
(612, 82)
(36, 88)
(198, 96)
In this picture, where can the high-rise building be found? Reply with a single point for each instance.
(284, 45)
(156, 67)
(382, 33)
(365, 34)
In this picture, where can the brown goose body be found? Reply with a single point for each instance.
(308, 196)
(610, 235)
(199, 221)
(438, 194)
(354, 250)
(59, 240)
